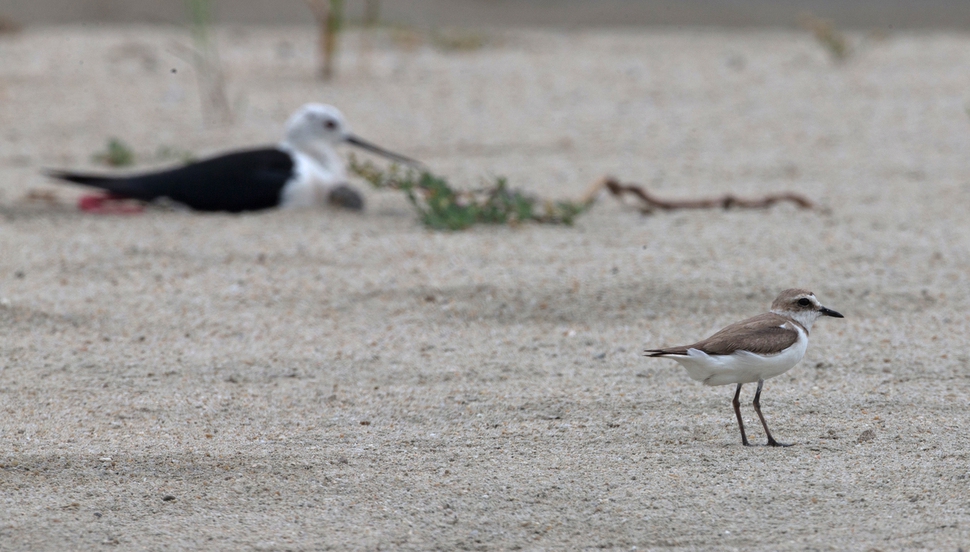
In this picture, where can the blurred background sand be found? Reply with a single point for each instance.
(860, 14)
(323, 379)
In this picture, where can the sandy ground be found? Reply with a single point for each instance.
(322, 379)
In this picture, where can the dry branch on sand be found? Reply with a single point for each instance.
(650, 203)
(443, 207)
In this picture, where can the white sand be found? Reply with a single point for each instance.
(230, 362)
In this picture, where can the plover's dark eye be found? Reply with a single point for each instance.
(330, 124)
(804, 302)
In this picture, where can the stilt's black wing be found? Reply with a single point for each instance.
(242, 181)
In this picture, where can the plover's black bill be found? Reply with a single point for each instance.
(363, 144)
(346, 197)
(829, 312)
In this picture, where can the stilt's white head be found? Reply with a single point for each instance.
(316, 124)
(802, 306)
(312, 133)
(315, 129)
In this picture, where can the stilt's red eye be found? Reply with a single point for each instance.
(330, 124)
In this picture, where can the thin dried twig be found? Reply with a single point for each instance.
(10, 26)
(372, 12)
(650, 203)
(208, 68)
(828, 36)
(329, 15)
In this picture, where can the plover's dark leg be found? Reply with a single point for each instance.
(737, 412)
(757, 408)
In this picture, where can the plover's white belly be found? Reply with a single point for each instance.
(741, 366)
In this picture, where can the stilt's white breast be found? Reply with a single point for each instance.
(309, 185)
(742, 366)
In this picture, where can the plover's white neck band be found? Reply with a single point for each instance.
(805, 319)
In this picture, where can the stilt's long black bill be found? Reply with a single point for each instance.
(830, 312)
(363, 144)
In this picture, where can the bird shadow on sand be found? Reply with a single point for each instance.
(90, 469)
(605, 301)
(593, 302)
(14, 318)
(28, 209)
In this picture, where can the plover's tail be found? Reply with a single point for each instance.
(700, 366)
(671, 351)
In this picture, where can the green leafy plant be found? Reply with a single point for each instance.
(442, 207)
(116, 154)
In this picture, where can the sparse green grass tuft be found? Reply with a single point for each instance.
(441, 207)
(169, 153)
(115, 154)
(458, 40)
(828, 36)
(448, 40)
(208, 68)
(330, 22)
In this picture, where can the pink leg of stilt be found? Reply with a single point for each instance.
(109, 204)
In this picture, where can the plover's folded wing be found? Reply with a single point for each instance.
(241, 181)
(765, 334)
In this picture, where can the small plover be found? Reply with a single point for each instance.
(753, 350)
